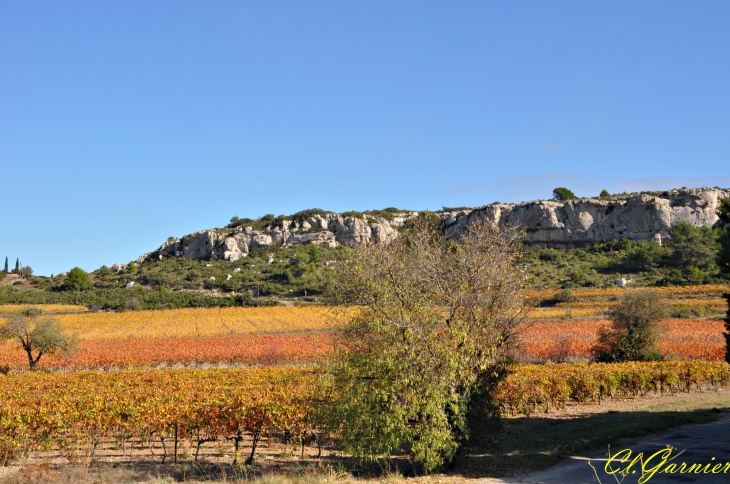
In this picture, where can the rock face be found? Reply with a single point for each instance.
(328, 229)
(639, 216)
(642, 216)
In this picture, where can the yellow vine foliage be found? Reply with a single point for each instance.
(46, 308)
(707, 289)
(534, 388)
(565, 313)
(197, 322)
(677, 303)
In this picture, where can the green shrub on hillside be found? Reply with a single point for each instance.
(562, 194)
(77, 280)
(643, 256)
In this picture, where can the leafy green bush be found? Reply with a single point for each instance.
(77, 280)
(302, 215)
(565, 296)
(693, 246)
(643, 256)
(562, 194)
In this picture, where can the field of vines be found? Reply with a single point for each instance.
(542, 341)
(572, 340)
(196, 322)
(249, 350)
(46, 308)
(42, 411)
(674, 291)
(677, 303)
(535, 388)
(56, 410)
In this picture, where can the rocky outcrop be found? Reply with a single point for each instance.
(639, 216)
(328, 229)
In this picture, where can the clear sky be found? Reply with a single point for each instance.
(125, 122)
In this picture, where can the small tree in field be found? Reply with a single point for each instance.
(36, 335)
(418, 359)
(632, 335)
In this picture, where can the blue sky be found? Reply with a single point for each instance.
(123, 123)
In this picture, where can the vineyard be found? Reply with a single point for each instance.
(220, 379)
(46, 308)
(532, 388)
(62, 411)
(287, 335)
(673, 291)
(541, 341)
(249, 350)
(572, 340)
(195, 322)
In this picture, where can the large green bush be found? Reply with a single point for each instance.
(77, 279)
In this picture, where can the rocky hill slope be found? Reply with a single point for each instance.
(547, 223)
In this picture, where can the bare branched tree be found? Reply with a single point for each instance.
(427, 341)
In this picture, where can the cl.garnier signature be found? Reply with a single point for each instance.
(625, 463)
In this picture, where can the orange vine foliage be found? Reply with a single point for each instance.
(136, 352)
(44, 410)
(563, 340)
(40, 410)
(541, 387)
(539, 341)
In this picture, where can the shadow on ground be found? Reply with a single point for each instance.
(536, 443)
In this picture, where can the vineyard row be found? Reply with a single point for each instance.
(58, 410)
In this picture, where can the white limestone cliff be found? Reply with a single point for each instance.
(639, 216)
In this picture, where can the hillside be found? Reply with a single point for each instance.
(547, 223)
(650, 239)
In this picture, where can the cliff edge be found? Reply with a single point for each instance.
(548, 223)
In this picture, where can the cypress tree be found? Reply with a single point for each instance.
(17, 266)
(6, 265)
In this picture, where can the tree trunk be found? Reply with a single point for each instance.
(31, 362)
